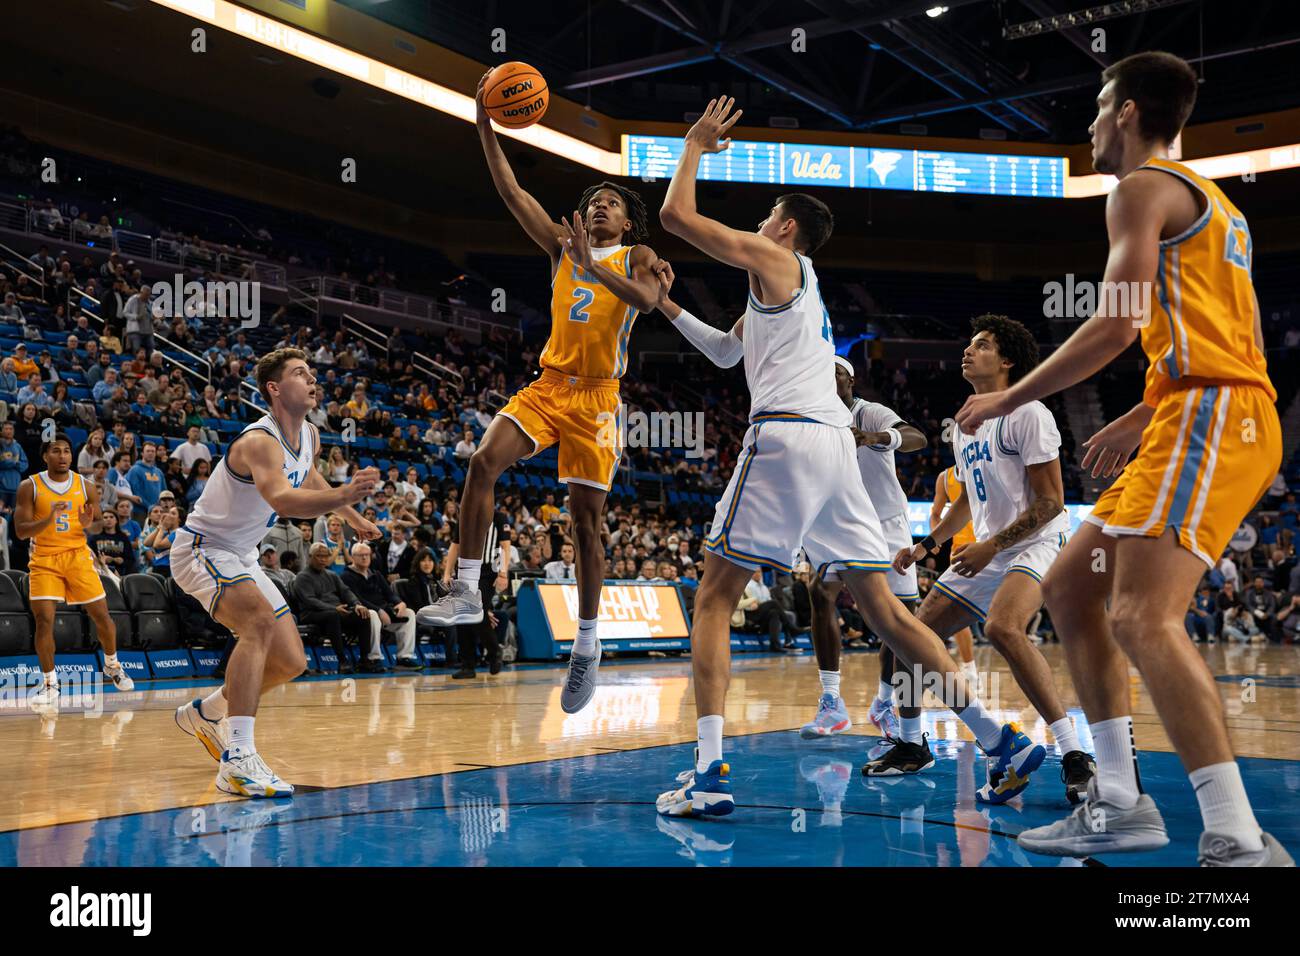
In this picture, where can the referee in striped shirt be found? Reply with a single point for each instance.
(497, 551)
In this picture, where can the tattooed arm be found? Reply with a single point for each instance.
(1049, 496)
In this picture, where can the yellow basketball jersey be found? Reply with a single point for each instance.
(1202, 324)
(590, 325)
(65, 532)
(953, 487)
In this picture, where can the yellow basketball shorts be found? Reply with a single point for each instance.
(582, 414)
(68, 576)
(1206, 458)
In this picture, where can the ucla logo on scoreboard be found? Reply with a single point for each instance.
(819, 165)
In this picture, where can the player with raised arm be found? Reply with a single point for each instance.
(601, 279)
(269, 469)
(789, 488)
(56, 509)
(1211, 444)
(1012, 495)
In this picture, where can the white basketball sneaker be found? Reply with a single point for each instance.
(118, 675)
(45, 698)
(461, 604)
(213, 734)
(249, 776)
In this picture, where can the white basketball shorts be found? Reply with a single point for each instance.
(205, 571)
(976, 594)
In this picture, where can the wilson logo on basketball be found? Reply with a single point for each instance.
(517, 88)
(525, 109)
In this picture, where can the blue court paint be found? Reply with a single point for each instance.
(800, 803)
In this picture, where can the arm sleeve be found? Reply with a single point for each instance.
(723, 349)
(1032, 434)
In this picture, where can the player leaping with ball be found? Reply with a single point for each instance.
(601, 279)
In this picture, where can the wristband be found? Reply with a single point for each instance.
(930, 545)
(895, 440)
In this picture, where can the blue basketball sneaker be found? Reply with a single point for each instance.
(832, 718)
(1009, 765)
(706, 794)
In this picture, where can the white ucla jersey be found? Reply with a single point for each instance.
(790, 357)
(231, 512)
(992, 464)
(877, 467)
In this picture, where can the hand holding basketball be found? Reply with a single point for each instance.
(715, 122)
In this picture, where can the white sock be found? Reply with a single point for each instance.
(986, 730)
(830, 682)
(51, 678)
(585, 642)
(214, 706)
(885, 692)
(708, 731)
(911, 729)
(110, 661)
(241, 737)
(1066, 738)
(467, 570)
(1117, 781)
(1225, 808)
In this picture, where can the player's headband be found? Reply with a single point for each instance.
(844, 363)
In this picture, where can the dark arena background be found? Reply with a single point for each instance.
(189, 185)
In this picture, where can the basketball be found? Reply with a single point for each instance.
(516, 96)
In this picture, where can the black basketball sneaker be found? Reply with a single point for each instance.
(1077, 768)
(902, 758)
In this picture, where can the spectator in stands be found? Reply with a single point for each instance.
(271, 567)
(97, 372)
(1201, 617)
(117, 409)
(1228, 568)
(95, 449)
(61, 406)
(27, 293)
(11, 311)
(1261, 604)
(158, 542)
(328, 605)
(197, 481)
(113, 547)
(8, 378)
(126, 523)
(1288, 618)
(336, 539)
(110, 341)
(146, 479)
(13, 466)
(34, 392)
(29, 431)
(119, 476)
(563, 569)
(107, 491)
(191, 450)
(394, 556)
(24, 367)
(284, 536)
(373, 590)
(139, 320)
(761, 612)
(667, 572)
(465, 447)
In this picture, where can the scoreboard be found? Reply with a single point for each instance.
(854, 167)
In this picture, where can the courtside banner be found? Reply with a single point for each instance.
(632, 610)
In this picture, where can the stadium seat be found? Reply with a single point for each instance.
(118, 612)
(16, 629)
(156, 626)
(69, 622)
(197, 629)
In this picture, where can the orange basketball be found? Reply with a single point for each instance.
(515, 95)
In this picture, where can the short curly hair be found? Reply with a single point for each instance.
(1015, 342)
(633, 204)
